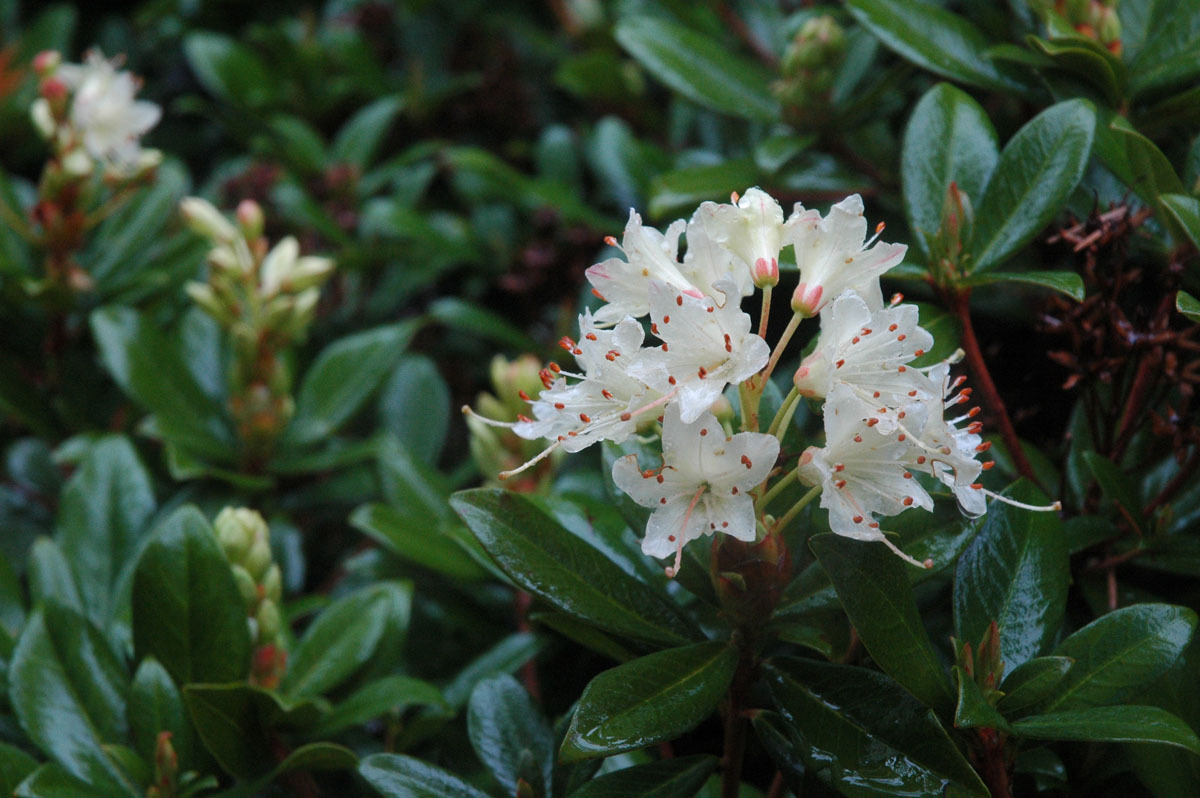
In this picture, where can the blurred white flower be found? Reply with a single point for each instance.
(104, 113)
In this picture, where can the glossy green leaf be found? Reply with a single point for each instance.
(414, 406)
(415, 539)
(1069, 283)
(344, 376)
(1032, 683)
(397, 776)
(1129, 724)
(650, 700)
(934, 39)
(1185, 211)
(148, 368)
(682, 190)
(864, 733)
(52, 781)
(101, 519)
(1136, 160)
(236, 722)
(1015, 572)
(344, 637)
(1116, 485)
(473, 320)
(504, 657)
(555, 565)
(1087, 59)
(510, 735)
(584, 634)
(1038, 169)
(358, 141)
(670, 778)
(1188, 305)
(187, 611)
(156, 705)
(1164, 53)
(702, 69)
(228, 69)
(298, 143)
(949, 139)
(873, 586)
(1118, 654)
(387, 696)
(50, 575)
(972, 709)
(15, 765)
(783, 746)
(69, 692)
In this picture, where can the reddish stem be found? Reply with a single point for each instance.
(960, 304)
(529, 675)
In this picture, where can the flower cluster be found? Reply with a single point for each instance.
(885, 419)
(89, 113)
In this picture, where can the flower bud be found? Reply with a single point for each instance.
(247, 587)
(820, 42)
(812, 378)
(237, 530)
(43, 118)
(272, 583)
(270, 623)
(166, 764)
(206, 220)
(278, 265)
(806, 300)
(258, 559)
(309, 271)
(250, 218)
(46, 62)
(204, 296)
(77, 164)
(147, 161)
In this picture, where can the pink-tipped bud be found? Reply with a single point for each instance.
(46, 62)
(54, 90)
(766, 272)
(250, 218)
(806, 300)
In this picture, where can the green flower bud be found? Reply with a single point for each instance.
(258, 559)
(250, 218)
(204, 296)
(203, 218)
(820, 42)
(270, 623)
(277, 266)
(234, 533)
(272, 584)
(246, 585)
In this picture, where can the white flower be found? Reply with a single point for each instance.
(104, 112)
(833, 257)
(604, 402)
(710, 267)
(624, 284)
(949, 452)
(862, 472)
(705, 347)
(753, 231)
(703, 485)
(869, 353)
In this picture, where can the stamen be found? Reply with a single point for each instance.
(491, 422)
(927, 565)
(542, 455)
(1056, 506)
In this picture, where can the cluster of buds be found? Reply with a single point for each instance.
(265, 299)
(947, 246)
(88, 115)
(246, 541)
(1095, 19)
(496, 449)
(808, 69)
(887, 433)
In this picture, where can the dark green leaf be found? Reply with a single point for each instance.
(682, 190)
(865, 733)
(414, 538)
(344, 637)
(148, 368)
(935, 39)
(228, 69)
(50, 575)
(397, 776)
(1118, 654)
(1015, 572)
(873, 586)
(705, 71)
(670, 778)
(1136, 161)
(1129, 724)
(1185, 211)
(1087, 59)
(102, 515)
(973, 710)
(298, 143)
(1038, 170)
(53, 781)
(237, 722)
(389, 695)
(342, 377)
(155, 705)
(69, 692)
(414, 406)
(584, 634)
(358, 141)
(15, 765)
(1116, 485)
(649, 700)
(948, 139)
(510, 735)
(1069, 283)
(555, 565)
(187, 610)
(1032, 683)
(479, 322)
(504, 657)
